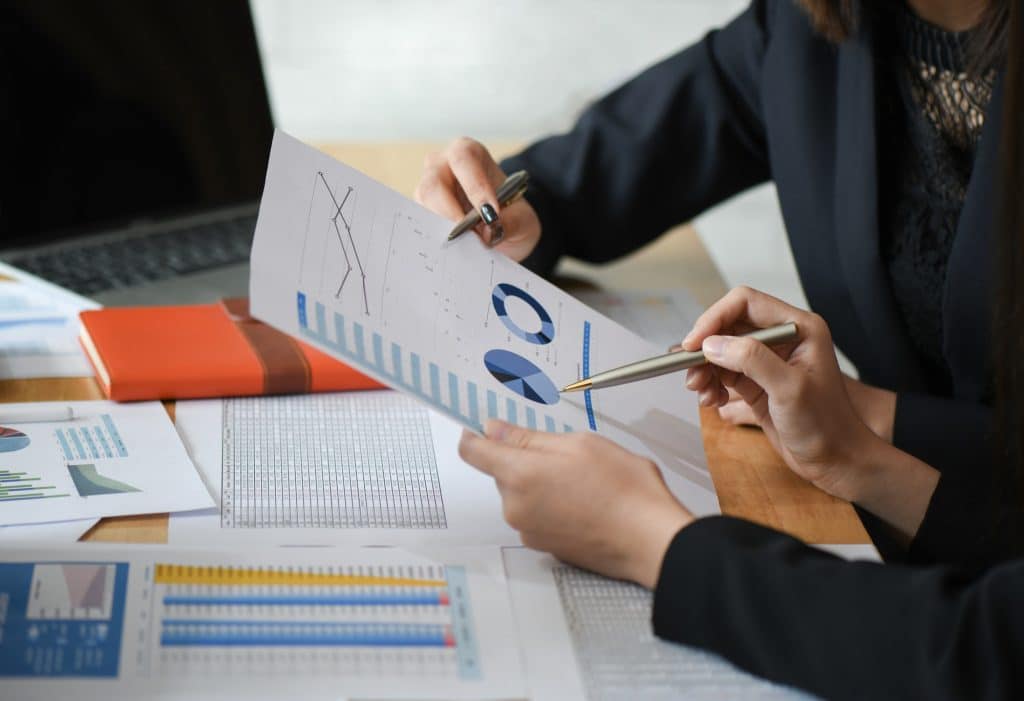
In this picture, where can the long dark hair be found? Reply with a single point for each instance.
(997, 42)
(838, 19)
(1009, 315)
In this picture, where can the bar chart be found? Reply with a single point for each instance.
(23, 486)
(91, 440)
(443, 390)
(353, 620)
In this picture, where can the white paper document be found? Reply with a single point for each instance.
(661, 317)
(110, 460)
(589, 637)
(366, 468)
(124, 622)
(365, 274)
(56, 532)
(39, 328)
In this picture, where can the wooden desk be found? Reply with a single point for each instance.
(752, 481)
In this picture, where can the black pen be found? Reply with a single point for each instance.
(509, 191)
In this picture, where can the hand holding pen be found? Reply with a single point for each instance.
(465, 178)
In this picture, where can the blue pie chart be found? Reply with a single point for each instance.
(521, 376)
(544, 334)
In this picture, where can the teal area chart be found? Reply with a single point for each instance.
(521, 376)
(89, 482)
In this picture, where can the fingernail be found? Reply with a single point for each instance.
(675, 348)
(714, 346)
(690, 381)
(488, 213)
(687, 339)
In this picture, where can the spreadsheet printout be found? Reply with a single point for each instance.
(366, 275)
(130, 622)
(589, 637)
(358, 460)
(374, 468)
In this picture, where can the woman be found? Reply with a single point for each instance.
(881, 130)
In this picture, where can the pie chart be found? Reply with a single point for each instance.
(521, 376)
(12, 439)
(543, 335)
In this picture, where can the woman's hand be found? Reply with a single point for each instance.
(876, 407)
(580, 497)
(464, 176)
(795, 392)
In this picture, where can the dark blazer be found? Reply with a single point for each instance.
(766, 98)
(842, 630)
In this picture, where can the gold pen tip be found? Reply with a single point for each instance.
(577, 386)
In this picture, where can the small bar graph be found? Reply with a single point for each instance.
(21, 486)
(445, 391)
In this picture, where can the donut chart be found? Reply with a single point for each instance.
(502, 291)
(12, 439)
(521, 376)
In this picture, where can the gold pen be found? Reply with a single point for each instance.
(673, 362)
(508, 192)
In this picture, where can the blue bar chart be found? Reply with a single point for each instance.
(442, 389)
(237, 610)
(93, 440)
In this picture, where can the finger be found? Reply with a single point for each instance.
(738, 413)
(523, 438)
(438, 191)
(479, 452)
(476, 172)
(698, 379)
(742, 309)
(751, 358)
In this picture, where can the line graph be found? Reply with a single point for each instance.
(346, 241)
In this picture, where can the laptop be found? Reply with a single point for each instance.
(136, 137)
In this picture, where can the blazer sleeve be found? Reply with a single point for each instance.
(680, 137)
(971, 519)
(842, 630)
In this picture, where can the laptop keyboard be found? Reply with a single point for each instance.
(91, 268)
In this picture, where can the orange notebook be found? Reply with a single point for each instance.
(206, 350)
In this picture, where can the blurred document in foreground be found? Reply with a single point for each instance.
(324, 623)
(588, 637)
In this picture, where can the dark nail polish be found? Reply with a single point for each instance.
(488, 213)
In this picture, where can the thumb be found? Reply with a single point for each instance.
(751, 358)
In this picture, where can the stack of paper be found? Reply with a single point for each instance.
(39, 328)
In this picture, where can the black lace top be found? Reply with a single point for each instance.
(931, 112)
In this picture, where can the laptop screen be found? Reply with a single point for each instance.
(114, 111)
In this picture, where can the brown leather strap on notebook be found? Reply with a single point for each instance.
(285, 368)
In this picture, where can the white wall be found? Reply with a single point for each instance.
(518, 69)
